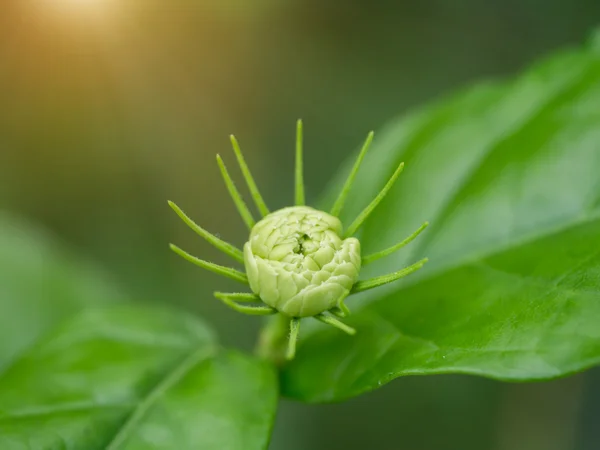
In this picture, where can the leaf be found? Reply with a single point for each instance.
(132, 378)
(40, 285)
(509, 177)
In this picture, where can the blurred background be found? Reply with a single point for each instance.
(111, 107)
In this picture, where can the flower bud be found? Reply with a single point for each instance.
(297, 262)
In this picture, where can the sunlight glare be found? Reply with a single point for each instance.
(74, 8)
(83, 4)
(86, 16)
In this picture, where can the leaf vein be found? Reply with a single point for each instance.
(44, 410)
(137, 415)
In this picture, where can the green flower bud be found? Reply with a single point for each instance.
(297, 262)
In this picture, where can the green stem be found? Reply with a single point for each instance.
(339, 203)
(235, 195)
(215, 268)
(371, 283)
(300, 200)
(369, 209)
(388, 251)
(225, 247)
(258, 200)
(273, 339)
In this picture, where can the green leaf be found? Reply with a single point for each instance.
(132, 378)
(40, 285)
(509, 177)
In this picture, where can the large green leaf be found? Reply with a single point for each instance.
(509, 176)
(41, 284)
(135, 378)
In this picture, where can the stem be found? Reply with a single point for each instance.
(258, 200)
(388, 251)
(371, 283)
(369, 209)
(335, 323)
(235, 195)
(294, 330)
(225, 247)
(215, 268)
(273, 339)
(300, 200)
(339, 203)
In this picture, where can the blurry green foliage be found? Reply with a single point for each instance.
(135, 378)
(41, 284)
